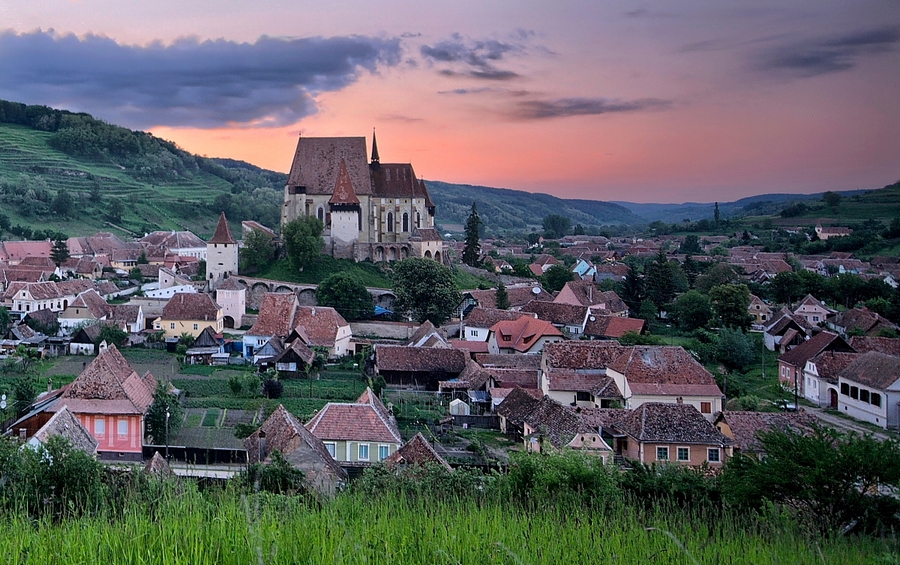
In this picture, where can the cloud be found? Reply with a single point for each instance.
(827, 54)
(478, 59)
(565, 107)
(269, 83)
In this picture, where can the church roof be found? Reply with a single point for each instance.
(223, 232)
(343, 188)
(317, 163)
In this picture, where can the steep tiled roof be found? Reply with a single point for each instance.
(108, 385)
(473, 377)
(612, 326)
(158, 467)
(874, 369)
(558, 313)
(523, 333)
(223, 233)
(671, 423)
(419, 359)
(297, 350)
(321, 324)
(416, 451)
(343, 188)
(524, 362)
(67, 425)
(285, 433)
(509, 378)
(230, 283)
(480, 317)
(317, 159)
(518, 404)
(367, 419)
(556, 422)
(92, 302)
(276, 315)
(746, 426)
(172, 240)
(583, 354)
(824, 341)
(595, 383)
(598, 418)
(425, 234)
(783, 318)
(191, 306)
(126, 313)
(396, 180)
(518, 296)
(888, 345)
(665, 370)
(830, 363)
(863, 320)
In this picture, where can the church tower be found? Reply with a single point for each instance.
(221, 254)
(346, 216)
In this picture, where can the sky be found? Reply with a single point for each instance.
(667, 101)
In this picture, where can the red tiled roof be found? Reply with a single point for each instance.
(191, 306)
(612, 326)
(108, 385)
(365, 420)
(583, 354)
(276, 315)
(419, 359)
(671, 423)
(888, 345)
(321, 324)
(665, 365)
(343, 188)
(823, 341)
(416, 451)
(874, 369)
(558, 313)
(223, 233)
(480, 317)
(746, 426)
(523, 333)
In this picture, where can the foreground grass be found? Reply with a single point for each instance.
(195, 528)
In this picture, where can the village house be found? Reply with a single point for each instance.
(760, 311)
(519, 295)
(417, 452)
(524, 336)
(860, 321)
(792, 364)
(357, 433)
(283, 433)
(612, 327)
(813, 310)
(183, 243)
(786, 331)
(549, 426)
(744, 428)
(586, 293)
(418, 367)
(281, 313)
(820, 377)
(66, 425)
(478, 322)
(570, 318)
(870, 389)
(187, 313)
(232, 297)
(87, 308)
(21, 298)
(828, 232)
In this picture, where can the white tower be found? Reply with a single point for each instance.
(221, 254)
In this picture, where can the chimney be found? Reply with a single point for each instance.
(262, 446)
(49, 385)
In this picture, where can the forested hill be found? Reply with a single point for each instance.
(503, 209)
(71, 173)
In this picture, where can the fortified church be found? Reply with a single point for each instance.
(371, 210)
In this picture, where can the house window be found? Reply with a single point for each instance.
(706, 407)
(854, 393)
(195, 326)
(662, 453)
(845, 389)
(331, 447)
(582, 396)
(473, 332)
(684, 453)
(712, 455)
(863, 395)
(815, 318)
(172, 326)
(364, 452)
(100, 426)
(875, 399)
(123, 427)
(383, 452)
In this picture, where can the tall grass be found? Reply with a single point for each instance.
(223, 527)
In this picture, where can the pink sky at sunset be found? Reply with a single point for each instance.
(688, 101)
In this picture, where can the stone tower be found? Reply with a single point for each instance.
(221, 254)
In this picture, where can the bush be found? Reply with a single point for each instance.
(272, 388)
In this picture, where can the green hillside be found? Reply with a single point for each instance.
(100, 167)
(504, 209)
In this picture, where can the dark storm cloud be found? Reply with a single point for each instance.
(828, 54)
(477, 59)
(564, 107)
(272, 82)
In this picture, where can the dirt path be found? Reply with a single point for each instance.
(845, 425)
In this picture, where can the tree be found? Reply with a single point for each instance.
(136, 274)
(425, 290)
(24, 391)
(155, 421)
(142, 258)
(633, 288)
(257, 251)
(832, 199)
(502, 297)
(736, 349)
(303, 240)
(62, 203)
(831, 481)
(556, 277)
(114, 210)
(716, 213)
(731, 303)
(720, 273)
(5, 319)
(690, 245)
(472, 250)
(112, 335)
(660, 281)
(556, 226)
(692, 310)
(847, 288)
(59, 253)
(786, 287)
(344, 293)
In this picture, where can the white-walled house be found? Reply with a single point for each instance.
(870, 389)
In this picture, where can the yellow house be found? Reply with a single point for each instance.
(189, 313)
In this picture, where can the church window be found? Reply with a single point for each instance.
(418, 220)
(320, 213)
(405, 221)
(359, 221)
(390, 222)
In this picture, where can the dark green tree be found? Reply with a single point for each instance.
(112, 335)
(556, 226)
(63, 203)
(257, 252)
(425, 290)
(142, 258)
(690, 245)
(786, 287)
(344, 293)
(736, 350)
(659, 281)
(633, 288)
(730, 303)
(59, 253)
(472, 250)
(5, 319)
(136, 274)
(303, 240)
(720, 273)
(832, 199)
(114, 210)
(691, 310)
(716, 213)
(556, 277)
(155, 421)
(502, 296)
(24, 392)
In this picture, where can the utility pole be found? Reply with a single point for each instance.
(167, 433)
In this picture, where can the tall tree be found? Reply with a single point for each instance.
(692, 310)
(257, 251)
(344, 293)
(716, 213)
(502, 297)
(62, 203)
(556, 277)
(472, 250)
(59, 253)
(659, 282)
(425, 290)
(303, 240)
(155, 422)
(556, 226)
(731, 303)
(114, 210)
(633, 288)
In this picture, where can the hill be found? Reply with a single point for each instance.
(69, 173)
(504, 209)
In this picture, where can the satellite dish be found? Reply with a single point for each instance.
(536, 290)
(3, 402)
(593, 319)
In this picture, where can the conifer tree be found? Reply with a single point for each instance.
(59, 252)
(502, 297)
(472, 250)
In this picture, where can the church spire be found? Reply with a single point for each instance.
(375, 161)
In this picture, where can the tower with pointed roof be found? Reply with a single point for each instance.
(371, 210)
(221, 254)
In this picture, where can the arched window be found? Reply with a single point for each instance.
(320, 213)
(405, 221)
(418, 220)
(390, 222)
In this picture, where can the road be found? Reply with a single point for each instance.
(844, 424)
